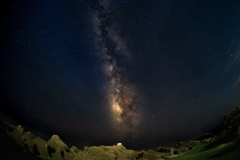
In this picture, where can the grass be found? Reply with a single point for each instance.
(223, 151)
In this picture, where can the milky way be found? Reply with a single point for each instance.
(116, 61)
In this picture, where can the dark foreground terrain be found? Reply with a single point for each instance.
(223, 142)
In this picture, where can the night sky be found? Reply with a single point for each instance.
(146, 73)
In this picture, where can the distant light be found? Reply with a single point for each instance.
(119, 144)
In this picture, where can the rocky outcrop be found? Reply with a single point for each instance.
(55, 148)
(29, 142)
(37, 146)
(17, 135)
